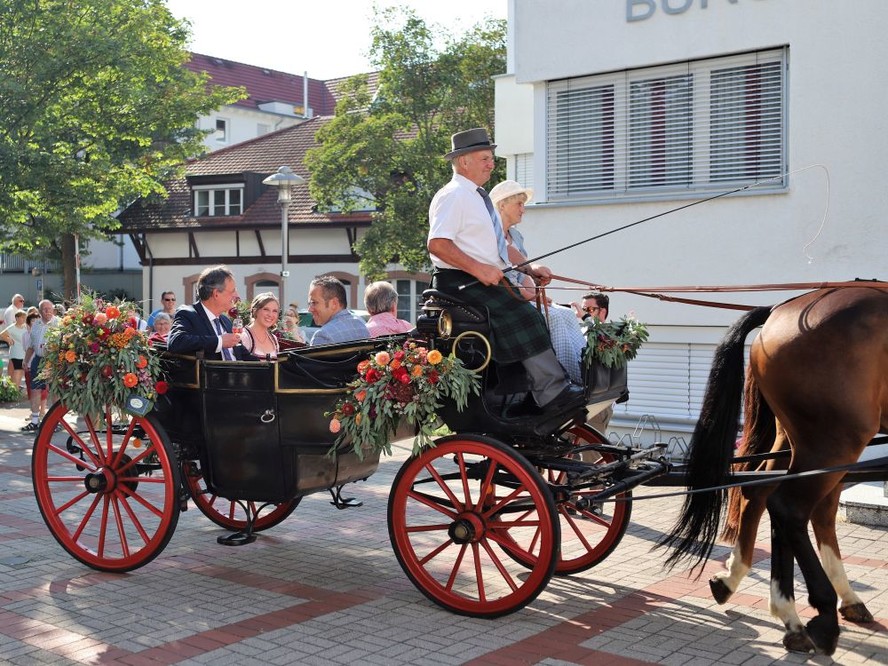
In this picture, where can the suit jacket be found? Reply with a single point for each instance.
(193, 331)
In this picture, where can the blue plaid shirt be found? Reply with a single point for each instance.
(567, 339)
(341, 327)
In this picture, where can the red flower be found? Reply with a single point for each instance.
(107, 371)
(433, 377)
(348, 409)
(161, 387)
(399, 355)
(402, 375)
(372, 375)
(130, 379)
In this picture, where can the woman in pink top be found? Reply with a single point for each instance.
(381, 301)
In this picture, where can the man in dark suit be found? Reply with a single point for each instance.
(205, 325)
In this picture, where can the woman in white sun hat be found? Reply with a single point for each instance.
(509, 198)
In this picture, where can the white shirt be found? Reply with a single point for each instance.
(458, 213)
(9, 314)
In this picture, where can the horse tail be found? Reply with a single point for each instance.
(712, 446)
(759, 433)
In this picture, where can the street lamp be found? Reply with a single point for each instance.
(284, 180)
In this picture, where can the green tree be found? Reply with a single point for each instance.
(96, 109)
(388, 149)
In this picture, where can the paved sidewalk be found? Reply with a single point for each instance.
(325, 588)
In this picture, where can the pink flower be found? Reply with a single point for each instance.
(335, 425)
(100, 318)
(382, 358)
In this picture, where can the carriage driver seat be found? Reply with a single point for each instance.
(508, 406)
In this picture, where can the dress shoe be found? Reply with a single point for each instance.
(571, 397)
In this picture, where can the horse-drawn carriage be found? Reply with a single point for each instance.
(479, 522)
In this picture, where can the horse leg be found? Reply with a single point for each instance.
(823, 520)
(725, 583)
(790, 511)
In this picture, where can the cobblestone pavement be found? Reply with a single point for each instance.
(324, 587)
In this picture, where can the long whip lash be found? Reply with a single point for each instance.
(648, 219)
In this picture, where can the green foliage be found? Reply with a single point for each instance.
(405, 382)
(613, 344)
(9, 392)
(96, 109)
(388, 150)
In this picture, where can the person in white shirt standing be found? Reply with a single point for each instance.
(33, 356)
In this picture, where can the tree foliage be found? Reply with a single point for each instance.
(388, 150)
(96, 109)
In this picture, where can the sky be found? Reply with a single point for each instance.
(326, 38)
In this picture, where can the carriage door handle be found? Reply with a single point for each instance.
(268, 416)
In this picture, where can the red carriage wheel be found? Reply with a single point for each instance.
(589, 530)
(108, 491)
(454, 508)
(228, 513)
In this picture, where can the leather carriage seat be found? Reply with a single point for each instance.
(460, 311)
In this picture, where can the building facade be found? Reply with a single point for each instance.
(619, 111)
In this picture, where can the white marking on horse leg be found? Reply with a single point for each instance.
(784, 609)
(835, 570)
(736, 570)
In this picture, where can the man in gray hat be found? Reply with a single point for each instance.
(468, 250)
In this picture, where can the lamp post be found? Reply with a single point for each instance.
(284, 180)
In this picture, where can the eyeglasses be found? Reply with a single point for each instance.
(591, 310)
(170, 299)
(313, 304)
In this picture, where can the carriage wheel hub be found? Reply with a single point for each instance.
(99, 482)
(466, 528)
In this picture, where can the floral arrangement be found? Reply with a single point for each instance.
(406, 381)
(241, 309)
(97, 357)
(613, 344)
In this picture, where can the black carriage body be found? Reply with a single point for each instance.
(457, 327)
(258, 428)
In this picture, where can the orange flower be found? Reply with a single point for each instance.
(130, 379)
(70, 356)
(434, 357)
(363, 365)
(395, 364)
(360, 395)
(112, 312)
(335, 425)
(142, 362)
(129, 332)
(382, 358)
(417, 371)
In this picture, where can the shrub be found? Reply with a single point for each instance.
(9, 392)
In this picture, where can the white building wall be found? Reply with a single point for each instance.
(828, 223)
(243, 124)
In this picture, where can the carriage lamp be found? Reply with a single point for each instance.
(284, 180)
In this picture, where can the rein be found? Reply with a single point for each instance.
(660, 292)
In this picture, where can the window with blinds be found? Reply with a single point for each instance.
(692, 126)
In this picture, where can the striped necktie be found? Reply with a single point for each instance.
(226, 352)
(497, 227)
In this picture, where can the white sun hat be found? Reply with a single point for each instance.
(506, 189)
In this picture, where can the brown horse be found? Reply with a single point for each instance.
(817, 384)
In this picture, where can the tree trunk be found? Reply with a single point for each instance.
(69, 267)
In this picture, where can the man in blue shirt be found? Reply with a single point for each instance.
(328, 306)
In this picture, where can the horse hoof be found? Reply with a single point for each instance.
(798, 641)
(824, 632)
(856, 613)
(720, 591)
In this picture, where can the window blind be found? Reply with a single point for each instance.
(691, 126)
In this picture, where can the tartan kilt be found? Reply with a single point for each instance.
(518, 329)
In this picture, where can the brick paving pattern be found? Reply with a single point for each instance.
(324, 587)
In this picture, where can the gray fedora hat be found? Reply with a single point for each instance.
(468, 142)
